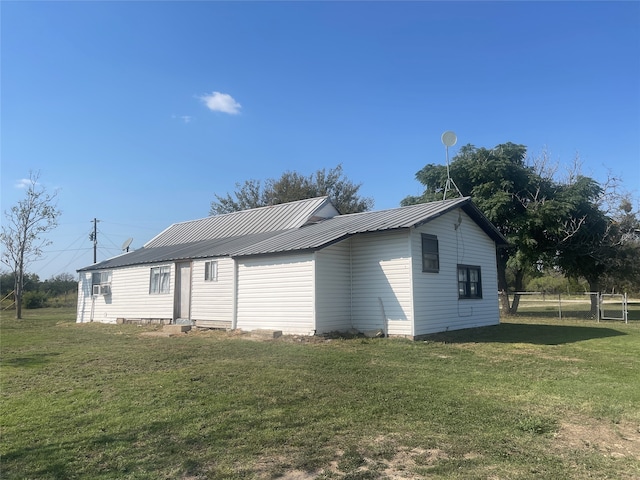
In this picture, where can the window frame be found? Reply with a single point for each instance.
(432, 254)
(103, 279)
(211, 271)
(162, 285)
(465, 292)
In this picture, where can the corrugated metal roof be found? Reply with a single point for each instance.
(308, 237)
(217, 247)
(329, 231)
(257, 220)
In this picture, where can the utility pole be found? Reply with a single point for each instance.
(94, 237)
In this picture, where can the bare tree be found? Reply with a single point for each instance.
(22, 231)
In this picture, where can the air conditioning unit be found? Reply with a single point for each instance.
(102, 289)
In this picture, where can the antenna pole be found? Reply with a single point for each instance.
(449, 139)
(447, 185)
(94, 237)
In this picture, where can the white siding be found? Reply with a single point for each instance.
(129, 299)
(212, 302)
(333, 288)
(437, 306)
(83, 313)
(276, 293)
(381, 267)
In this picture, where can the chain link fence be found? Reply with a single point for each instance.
(584, 306)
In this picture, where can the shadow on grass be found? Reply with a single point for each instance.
(525, 333)
(90, 455)
(35, 360)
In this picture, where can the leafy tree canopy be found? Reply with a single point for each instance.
(292, 186)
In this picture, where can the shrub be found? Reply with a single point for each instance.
(34, 300)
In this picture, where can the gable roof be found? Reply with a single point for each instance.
(307, 235)
(323, 234)
(284, 216)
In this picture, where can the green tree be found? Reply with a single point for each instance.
(7, 283)
(627, 222)
(292, 186)
(59, 284)
(21, 237)
(597, 242)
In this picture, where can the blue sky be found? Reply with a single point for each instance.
(137, 113)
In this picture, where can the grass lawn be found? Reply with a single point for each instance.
(534, 399)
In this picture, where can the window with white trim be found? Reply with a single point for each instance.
(101, 278)
(430, 255)
(211, 271)
(469, 282)
(160, 277)
(101, 283)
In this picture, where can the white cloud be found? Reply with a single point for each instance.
(183, 118)
(23, 183)
(221, 102)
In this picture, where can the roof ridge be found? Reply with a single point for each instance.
(237, 212)
(451, 201)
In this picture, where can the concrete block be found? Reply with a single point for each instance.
(266, 334)
(374, 333)
(176, 328)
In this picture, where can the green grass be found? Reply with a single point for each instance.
(534, 399)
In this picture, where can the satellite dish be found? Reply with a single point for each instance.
(125, 245)
(449, 138)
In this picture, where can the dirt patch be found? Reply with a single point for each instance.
(399, 466)
(615, 440)
(247, 335)
(159, 333)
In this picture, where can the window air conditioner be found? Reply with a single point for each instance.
(96, 289)
(105, 289)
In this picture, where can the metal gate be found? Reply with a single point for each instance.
(613, 306)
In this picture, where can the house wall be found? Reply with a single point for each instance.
(129, 299)
(381, 292)
(333, 288)
(437, 307)
(276, 293)
(212, 302)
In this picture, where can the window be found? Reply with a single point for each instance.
(430, 256)
(160, 279)
(211, 271)
(101, 283)
(469, 282)
(101, 278)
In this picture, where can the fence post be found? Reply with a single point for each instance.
(624, 308)
(560, 306)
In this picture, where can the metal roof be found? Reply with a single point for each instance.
(312, 236)
(217, 247)
(246, 222)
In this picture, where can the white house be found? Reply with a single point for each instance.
(303, 268)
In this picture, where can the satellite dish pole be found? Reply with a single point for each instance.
(449, 139)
